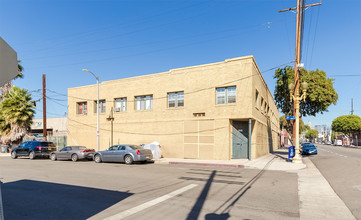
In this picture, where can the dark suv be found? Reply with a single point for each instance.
(33, 149)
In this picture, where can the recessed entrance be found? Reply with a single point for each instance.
(239, 139)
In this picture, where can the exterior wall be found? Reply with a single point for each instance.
(265, 136)
(8, 63)
(200, 129)
(58, 125)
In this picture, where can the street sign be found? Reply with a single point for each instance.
(291, 117)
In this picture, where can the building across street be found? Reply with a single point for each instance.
(217, 111)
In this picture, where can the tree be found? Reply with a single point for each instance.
(288, 124)
(320, 92)
(16, 115)
(311, 134)
(347, 124)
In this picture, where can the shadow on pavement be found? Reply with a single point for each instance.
(226, 207)
(29, 199)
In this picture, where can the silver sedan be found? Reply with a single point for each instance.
(74, 153)
(123, 153)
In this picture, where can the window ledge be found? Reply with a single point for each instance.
(223, 105)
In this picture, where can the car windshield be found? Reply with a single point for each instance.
(309, 146)
(136, 147)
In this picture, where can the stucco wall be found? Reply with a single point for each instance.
(180, 131)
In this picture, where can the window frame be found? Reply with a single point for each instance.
(176, 99)
(226, 95)
(143, 102)
(103, 106)
(83, 104)
(123, 104)
(257, 96)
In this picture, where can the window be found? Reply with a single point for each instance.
(226, 95)
(82, 108)
(175, 99)
(256, 104)
(120, 105)
(265, 107)
(262, 104)
(101, 106)
(144, 102)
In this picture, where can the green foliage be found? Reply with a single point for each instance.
(16, 114)
(311, 133)
(320, 93)
(347, 124)
(288, 125)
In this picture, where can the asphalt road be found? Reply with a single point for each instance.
(341, 166)
(44, 189)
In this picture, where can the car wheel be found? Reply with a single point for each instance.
(13, 155)
(97, 159)
(128, 159)
(53, 157)
(32, 155)
(74, 157)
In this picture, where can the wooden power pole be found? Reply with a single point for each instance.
(44, 109)
(300, 10)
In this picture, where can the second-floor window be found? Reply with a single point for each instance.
(175, 99)
(226, 95)
(101, 106)
(144, 102)
(82, 108)
(120, 105)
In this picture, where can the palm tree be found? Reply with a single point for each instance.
(7, 87)
(16, 115)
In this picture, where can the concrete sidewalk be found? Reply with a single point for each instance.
(5, 154)
(274, 161)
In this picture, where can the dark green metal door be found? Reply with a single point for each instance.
(239, 140)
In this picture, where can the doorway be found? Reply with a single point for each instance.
(239, 139)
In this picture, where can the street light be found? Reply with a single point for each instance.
(296, 98)
(97, 108)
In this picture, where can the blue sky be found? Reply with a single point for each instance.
(119, 39)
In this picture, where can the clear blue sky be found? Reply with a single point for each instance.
(119, 39)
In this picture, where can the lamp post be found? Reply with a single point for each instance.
(296, 98)
(97, 107)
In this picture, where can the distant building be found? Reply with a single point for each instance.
(54, 126)
(216, 111)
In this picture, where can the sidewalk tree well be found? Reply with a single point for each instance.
(311, 134)
(320, 93)
(347, 124)
(16, 115)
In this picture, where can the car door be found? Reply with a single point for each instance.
(62, 153)
(21, 149)
(108, 155)
(119, 154)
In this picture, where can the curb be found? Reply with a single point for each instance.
(207, 164)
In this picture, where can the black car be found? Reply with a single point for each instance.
(33, 149)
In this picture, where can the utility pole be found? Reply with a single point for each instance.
(44, 109)
(299, 24)
(111, 119)
(352, 106)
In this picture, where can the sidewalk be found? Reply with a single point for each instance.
(278, 158)
(5, 154)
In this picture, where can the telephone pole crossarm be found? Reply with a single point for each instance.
(306, 6)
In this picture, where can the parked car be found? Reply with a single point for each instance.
(33, 149)
(73, 153)
(309, 149)
(123, 153)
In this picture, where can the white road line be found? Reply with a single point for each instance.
(153, 202)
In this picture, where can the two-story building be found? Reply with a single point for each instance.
(216, 111)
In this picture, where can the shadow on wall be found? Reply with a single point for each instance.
(270, 139)
(29, 199)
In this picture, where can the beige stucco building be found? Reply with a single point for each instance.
(215, 111)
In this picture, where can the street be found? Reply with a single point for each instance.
(44, 189)
(341, 166)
